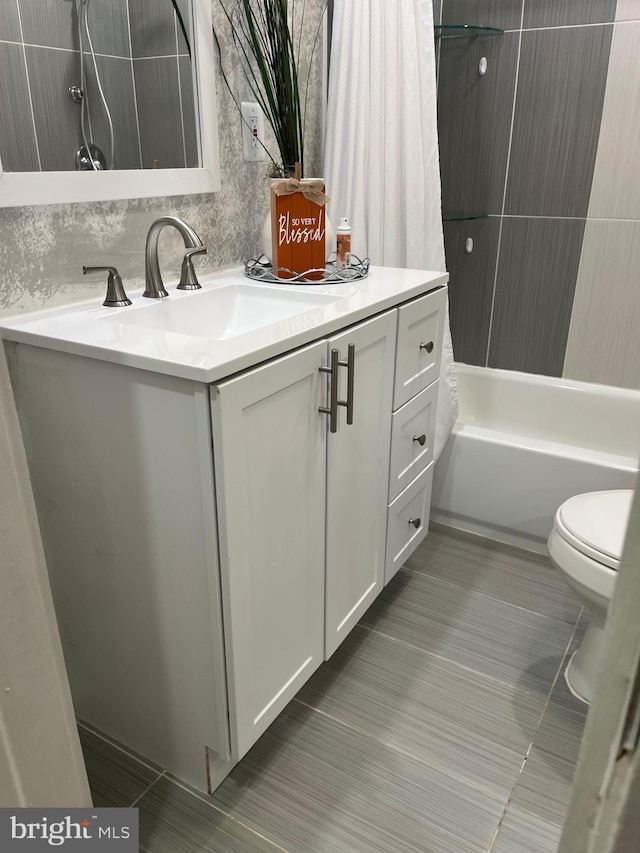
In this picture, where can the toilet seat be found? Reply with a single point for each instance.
(595, 524)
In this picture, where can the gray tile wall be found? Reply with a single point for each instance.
(537, 270)
(152, 29)
(49, 23)
(109, 25)
(56, 117)
(162, 71)
(604, 345)
(158, 95)
(116, 76)
(17, 138)
(9, 21)
(475, 120)
(471, 284)
(551, 13)
(41, 74)
(522, 144)
(556, 125)
(188, 112)
(52, 23)
(161, 84)
(505, 14)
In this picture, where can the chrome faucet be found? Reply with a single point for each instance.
(154, 286)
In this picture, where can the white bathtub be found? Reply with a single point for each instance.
(523, 444)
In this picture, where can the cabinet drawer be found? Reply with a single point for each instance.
(403, 537)
(419, 346)
(412, 431)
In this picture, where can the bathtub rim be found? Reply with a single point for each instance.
(539, 379)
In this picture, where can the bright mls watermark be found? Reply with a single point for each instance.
(75, 830)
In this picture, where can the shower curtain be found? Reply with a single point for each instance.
(381, 151)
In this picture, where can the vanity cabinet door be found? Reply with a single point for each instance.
(270, 447)
(358, 476)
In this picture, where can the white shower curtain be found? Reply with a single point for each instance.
(381, 152)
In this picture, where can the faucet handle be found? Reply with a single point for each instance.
(116, 297)
(188, 277)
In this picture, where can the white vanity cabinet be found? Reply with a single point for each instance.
(296, 579)
(209, 537)
(121, 464)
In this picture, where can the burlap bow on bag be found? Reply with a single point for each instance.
(311, 189)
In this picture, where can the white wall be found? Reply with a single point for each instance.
(40, 758)
(604, 344)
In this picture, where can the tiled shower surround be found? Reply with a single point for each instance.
(546, 145)
(144, 68)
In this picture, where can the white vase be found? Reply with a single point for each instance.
(329, 237)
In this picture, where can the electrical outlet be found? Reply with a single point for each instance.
(252, 131)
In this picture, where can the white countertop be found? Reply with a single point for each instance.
(89, 329)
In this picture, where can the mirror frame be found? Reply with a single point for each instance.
(32, 188)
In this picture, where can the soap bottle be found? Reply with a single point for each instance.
(343, 244)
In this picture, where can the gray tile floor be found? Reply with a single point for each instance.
(442, 725)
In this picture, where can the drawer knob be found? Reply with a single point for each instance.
(420, 439)
(415, 522)
(428, 346)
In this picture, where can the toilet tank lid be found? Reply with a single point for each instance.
(597, 521)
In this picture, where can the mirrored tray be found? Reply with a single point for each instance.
(260, 269)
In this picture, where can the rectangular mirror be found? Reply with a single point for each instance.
(141, 76)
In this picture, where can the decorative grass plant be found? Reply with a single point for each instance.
(269, 60)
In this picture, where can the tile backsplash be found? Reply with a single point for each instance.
(544, 144)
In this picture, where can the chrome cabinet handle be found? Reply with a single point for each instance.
(420, 439)
(428, 346)
(415, 522)
(332, 409)
(349, 364)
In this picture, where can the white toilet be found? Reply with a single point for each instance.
(586, 545)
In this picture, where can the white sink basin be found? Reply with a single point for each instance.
(228, 326)
(222, 312)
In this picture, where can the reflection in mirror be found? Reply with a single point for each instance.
(180, 137)
(93, 84)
